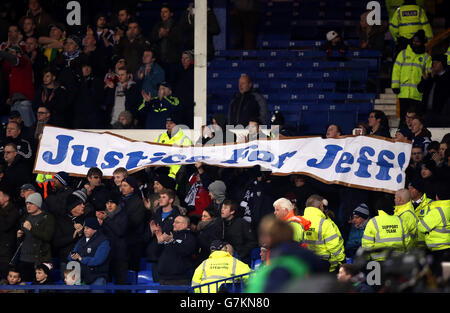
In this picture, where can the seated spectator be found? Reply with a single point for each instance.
(348, 273)
(379, 124)
(237, 231)
(277, 120)
(28, 28)
(71, 279)
(421, 135)
(155, 110)
(247, 103)
(254, 130)
(216, 132)
(20, 72)
(184, 87)
(92, 252)
(54, 96)
(123, 96)
(371, 37)
(132, 46)
(41, 18)
(430, 179)
(126, 121)
(208, 229)
(334, 43)
(150, 74)
(436, 94)
(359, 222)
(13, 278)
(333, 131)
(402, 135)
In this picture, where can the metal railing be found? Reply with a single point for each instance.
(233, 284)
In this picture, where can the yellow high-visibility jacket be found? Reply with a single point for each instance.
(407, 73)
(407, 20)
(436, 226)
(410, 221)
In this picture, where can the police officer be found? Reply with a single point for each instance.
(436, 228)
(407, 73)
(419, 199)
(284, 210)
(173, 136)
(220, 265)
(406, 21)
(323, 236)
(384, 232)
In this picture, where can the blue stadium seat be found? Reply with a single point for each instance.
(131, 277)
(146, 278)
(345, 116)
(313, 119)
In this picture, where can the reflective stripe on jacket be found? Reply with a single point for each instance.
(407, 73)
(324, 238)
(436, 226)
(410, 221)
(384, 232)
(407, 20)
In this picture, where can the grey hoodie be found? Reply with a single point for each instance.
(218, 189)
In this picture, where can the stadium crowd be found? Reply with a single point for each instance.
(109, 76)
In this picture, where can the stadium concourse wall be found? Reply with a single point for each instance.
(150, 135)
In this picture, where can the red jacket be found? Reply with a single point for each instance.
(21, 78)
(202, 198)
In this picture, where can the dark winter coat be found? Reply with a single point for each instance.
(135, 210)
(207, 232)
(115, 227)
(63, 241)
(238, 233)
(9, 222)
(245, 106)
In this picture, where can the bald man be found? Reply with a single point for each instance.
(404, 209)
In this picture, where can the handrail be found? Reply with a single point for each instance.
(224, 280)
(437, 40)
(134, 288)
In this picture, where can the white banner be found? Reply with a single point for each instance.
(355, 161)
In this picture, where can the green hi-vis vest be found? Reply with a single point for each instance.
(407, 20)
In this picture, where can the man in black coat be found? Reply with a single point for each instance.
(237, 231)
(133, 205)
(56, 200)
(9, 222)
(68, 227)
(114, 221)
(247, 103)
(436, 94)
(17, 171)
(176, 250)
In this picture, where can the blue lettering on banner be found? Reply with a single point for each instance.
(327, 160)
(282, 158)
(91, 158)
(346, 158)
(239, 154)
(264, 156)
(170, 159)
(364, 162)
(384, 165)
(401, 162)
(110, 159)
(61, 152)
(134, 158)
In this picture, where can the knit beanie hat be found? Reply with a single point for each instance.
(362, 210)
(75, 198)
(35, 198)
(166, 181)
(92, 222)
(218, 189)
(217, 245)
(331, 35)
(46, 267)
(63, 178)
(417, 183)
(130, 180)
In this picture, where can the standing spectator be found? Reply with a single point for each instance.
(123, 17)
(175, 266)
(56, 200)
(436, 95)
(208, 230)
(17, 171)
(217, 192)
(119, 174)
(254, 130)
(124, 96)
(43, 117)
(132, 46)
(20, 72)
(245, 20)
(186, 26)
(417, 156)
(95, 190)
(69, 227)
(9, 222)
(38, 60)
(150, 75)
(421, 135)
(237, 231)
(359, 221)
(54, 42)
(428, 174)
(379, 124)
(161, 182)
(95, 55)
(29, 28)
(14, 40)
(88, 113)
(103, 35)
(13, 135)
(327, 244)
(155, 110)
(92, 251)
(247, 103)
(41, 18)
(134, 207)
(166, 38)
(407, 73)
(114, 222)
(371, 36)
(36, 231)
(407, 20)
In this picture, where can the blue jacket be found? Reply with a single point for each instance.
(354, 239)
(95, 257)
(151, 81)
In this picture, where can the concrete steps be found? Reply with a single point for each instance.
(387, 103)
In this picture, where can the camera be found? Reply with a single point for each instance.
(357, 131)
